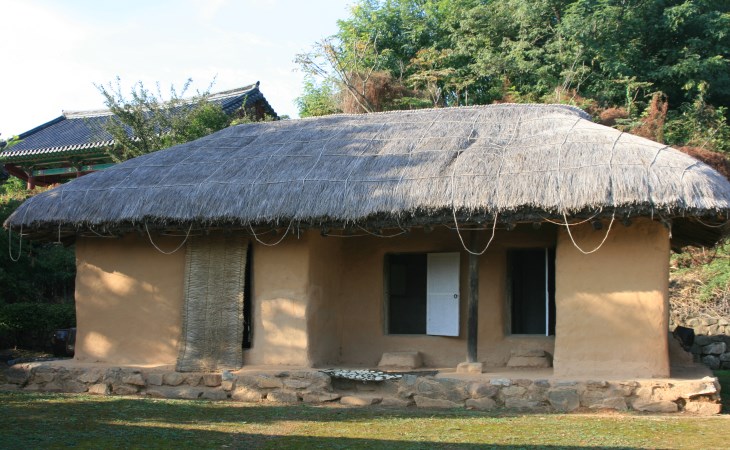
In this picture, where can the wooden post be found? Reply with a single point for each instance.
(472, 315)
(30, 185)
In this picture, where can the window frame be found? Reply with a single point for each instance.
(549, 290)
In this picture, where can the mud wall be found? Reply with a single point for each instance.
(612, 305)
(364, 337)
(280, 289)
(129, 300)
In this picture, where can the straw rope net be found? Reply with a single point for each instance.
(515, 162)
(212, 332)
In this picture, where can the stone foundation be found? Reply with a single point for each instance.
(700, 396)
(712, 341)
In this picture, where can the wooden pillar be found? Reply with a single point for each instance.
(30, 185)
(472, 314)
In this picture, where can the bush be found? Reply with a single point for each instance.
(31, 325)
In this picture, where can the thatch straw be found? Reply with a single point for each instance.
(213, 311)
(520, 162)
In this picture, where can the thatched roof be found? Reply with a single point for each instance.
(521, 162)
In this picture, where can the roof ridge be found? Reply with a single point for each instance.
(572, 108)
(81, 114)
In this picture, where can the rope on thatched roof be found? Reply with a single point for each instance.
(495, 164)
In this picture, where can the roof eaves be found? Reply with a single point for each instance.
(32, 154)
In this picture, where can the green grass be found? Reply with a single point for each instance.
(31, 420)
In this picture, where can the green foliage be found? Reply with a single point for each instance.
(317, 99)
(12, 187)
(43, 273)
(700, 125)
(717, 275)
(43, 317)
(146, 122)
(613, 52)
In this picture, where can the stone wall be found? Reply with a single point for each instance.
(311, 386)
(712, 341)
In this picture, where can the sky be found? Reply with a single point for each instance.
(52, 53)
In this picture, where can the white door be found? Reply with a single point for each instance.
(442, 294)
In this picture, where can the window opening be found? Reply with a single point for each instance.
(532, 291)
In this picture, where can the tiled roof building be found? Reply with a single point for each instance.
(74, 144)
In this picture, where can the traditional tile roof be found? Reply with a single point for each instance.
(76, 132)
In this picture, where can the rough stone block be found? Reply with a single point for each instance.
(100, 389)
(513, 391)
(711, 361)
(725, 365)
(282, 397)
(520, 403)
(500, 382)
(188, 393)
(697, 389)
(401, 360)
(212, 379)
(228, 385)
(227, 375)
(427, 402)
(725, 357)
(396, 402)
(564, 400)
(43, 377)
(481, 390)
(617, 403)
(135, 379)
(470, 367)
(214, 394)
(703, 408)
(74, 387)
(154, 379)
(173, 378)
(17, 375)
(716, 348)
(360, 400)
(482, 404)
(641, 404)
(124, 389)
(267, 382)
(90, 376)
(194, 379)
(294, 383)
(702, 340)
(319, 397)
(53, 386)
(246, 394)
(453, 390)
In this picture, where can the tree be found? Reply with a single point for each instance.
(146, 122)
(318, 99)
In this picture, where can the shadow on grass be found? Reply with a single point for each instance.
(41, 420)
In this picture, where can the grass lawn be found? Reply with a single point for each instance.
(32, 420)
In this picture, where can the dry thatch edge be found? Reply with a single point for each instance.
(572, 108)
(392, 209)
